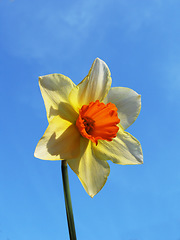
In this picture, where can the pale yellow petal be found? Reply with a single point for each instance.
(55, 89)
(91, 171)
(124, 149)
(128, 103)
(95, 85)
(61, 140)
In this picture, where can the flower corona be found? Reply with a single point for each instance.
(98, 121)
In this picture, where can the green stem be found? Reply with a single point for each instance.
(67, 197)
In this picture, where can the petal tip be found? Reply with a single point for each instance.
(98, 59)
(35, 154)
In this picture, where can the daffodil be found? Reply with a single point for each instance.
(87, 125)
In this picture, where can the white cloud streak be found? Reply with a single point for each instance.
(39, 32)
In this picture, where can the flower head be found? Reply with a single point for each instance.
(87, 125)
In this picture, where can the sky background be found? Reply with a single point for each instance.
(140, 42)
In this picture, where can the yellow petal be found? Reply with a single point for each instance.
(55, 89)
(124, 149)
(95, 85)
(128, 103)
(91, 171)
(60, 141)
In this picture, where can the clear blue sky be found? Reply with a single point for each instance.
(140, 42)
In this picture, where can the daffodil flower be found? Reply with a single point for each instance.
(87, 125)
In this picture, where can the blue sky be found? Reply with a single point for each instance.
(139, 40)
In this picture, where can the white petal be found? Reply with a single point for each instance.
(95, 85)
(61, 140)
(124, 149)
(55, 89)
(128, 103)
(91, 171)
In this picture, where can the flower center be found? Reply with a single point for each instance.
(98, 121)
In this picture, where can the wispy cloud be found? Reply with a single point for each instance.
(43, 30)
(172, 80)
(39, 31)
